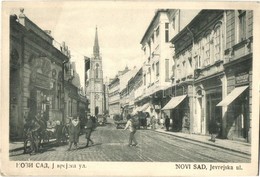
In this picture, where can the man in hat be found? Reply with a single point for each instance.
(74, 129)
(89, 128)
(132, 128)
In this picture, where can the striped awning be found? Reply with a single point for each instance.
(232, 96)
(175, 101)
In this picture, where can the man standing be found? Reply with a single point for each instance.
(132, 129)
(167, 122)
(74, 129)
(89, 128)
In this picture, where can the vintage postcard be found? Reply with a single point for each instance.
(114, 88)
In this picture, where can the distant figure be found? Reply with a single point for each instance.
(74, 129)
(89, 128)
(132, 128)
(58, 132)
(167, 122)
(213, 129)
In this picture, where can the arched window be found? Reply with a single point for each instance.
(96, 70)
(217, 42)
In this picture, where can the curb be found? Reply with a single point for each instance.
(215, 145)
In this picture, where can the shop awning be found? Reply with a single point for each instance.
(232, 96)
(175, 101)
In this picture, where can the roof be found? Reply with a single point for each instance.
(126, 77)
(193, 22)
(151, 23)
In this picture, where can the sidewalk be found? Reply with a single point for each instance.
(236, 146)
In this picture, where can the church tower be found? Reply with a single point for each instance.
(95, 91)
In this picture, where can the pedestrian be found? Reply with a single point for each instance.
(213, 129)
(58, 132)
(132, 128)
(74, 129)
(167, 122)
(89, 128)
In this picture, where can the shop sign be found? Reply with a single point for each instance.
(242, 78)
(42, 81)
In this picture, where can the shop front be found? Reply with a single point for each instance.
(178, 113)
(208, 93)
(45, 91)
(237, 102)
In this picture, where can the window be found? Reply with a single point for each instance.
(59, 96)
(207, 51)
(166, 32)
(217, 44)
(69, 108)
(173, 23)
(157, 69)
(96, 70)
(242, 25)
(167, 65)
(198, 62)
(184, 69)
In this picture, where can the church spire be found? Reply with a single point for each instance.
(96, 46)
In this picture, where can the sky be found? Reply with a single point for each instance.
(120, 30)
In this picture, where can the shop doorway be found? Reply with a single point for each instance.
(241, 112)
(39, 103)
(213, 112)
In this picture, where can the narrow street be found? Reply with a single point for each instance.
(111, 145)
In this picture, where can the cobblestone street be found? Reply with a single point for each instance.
(111, 145)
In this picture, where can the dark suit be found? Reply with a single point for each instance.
(89, 128)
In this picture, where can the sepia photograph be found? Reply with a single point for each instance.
(113, 88)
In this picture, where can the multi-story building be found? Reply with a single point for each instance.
(198, 72)
(127, 93)
(114, 93)
(114, 97)
(158, 64)
(74, 100)
(213, 74)
(238, 54)
(36, 77)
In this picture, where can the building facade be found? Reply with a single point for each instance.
(237, 101)
(74, 100)
(158, 68)
(36, 77)
(94, 84)
(199, 69)
(213, 72)
(114, 97)
(114, 89)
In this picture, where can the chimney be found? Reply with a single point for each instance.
(22, 17)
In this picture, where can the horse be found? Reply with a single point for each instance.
(34, 134)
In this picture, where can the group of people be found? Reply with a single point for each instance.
(36, 131)
(74, 131)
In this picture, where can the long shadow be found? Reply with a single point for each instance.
(84, 147)
(46, 147)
